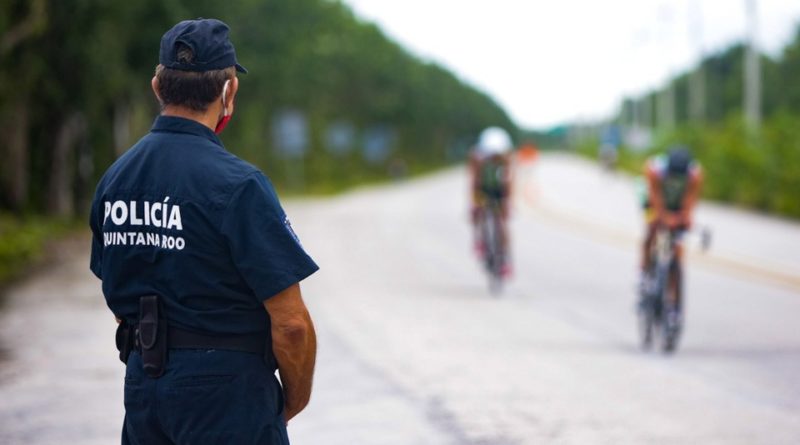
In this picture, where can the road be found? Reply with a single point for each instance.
(412, 349)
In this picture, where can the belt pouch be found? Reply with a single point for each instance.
(124, 340)
(152, 336)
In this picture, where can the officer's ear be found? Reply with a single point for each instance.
(154, 86)
(233, 88)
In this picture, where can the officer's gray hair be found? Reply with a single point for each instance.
(191, 89)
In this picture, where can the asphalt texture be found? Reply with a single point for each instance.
(414, 350)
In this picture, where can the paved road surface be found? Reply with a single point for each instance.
(412, 349)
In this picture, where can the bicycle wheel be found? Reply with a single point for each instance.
(671, 326)
(646, 312)
(495, 284)
(494, 254)
(645, 320)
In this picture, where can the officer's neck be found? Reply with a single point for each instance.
(209, 118)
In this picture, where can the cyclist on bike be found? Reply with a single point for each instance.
(490, 173)
(673, 188)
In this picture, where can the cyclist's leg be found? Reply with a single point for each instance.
(505, 237)
(646, 282)
(647, 244)
(503, 214)
(478, 217)
(675, 295)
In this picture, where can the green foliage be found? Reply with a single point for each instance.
(95, 58)
(759, 169)
(782, 143)
(22, 242)
(788, 73)
(75, 93)
(758, 172)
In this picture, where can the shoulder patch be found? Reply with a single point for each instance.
(288, 225)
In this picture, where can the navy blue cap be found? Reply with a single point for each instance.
(208, 39)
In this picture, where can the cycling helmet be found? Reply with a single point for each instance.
(494, 141)
(679, 160)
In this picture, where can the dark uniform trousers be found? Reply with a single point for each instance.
(204, 397)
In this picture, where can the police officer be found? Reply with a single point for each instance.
(201, 267)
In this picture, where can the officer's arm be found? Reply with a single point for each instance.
(294, 343)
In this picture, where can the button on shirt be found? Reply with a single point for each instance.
(180, 217)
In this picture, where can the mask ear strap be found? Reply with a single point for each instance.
(224, 97)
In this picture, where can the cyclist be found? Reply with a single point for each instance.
(673, 188)
(608, 154)
(490, 181)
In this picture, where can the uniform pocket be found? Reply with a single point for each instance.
(202, 380)
(135, 397)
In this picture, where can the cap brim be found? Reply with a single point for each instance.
(241, 69)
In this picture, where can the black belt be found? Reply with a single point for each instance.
(178, 338)
(152, 337)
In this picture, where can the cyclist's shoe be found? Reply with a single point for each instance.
(506, 270)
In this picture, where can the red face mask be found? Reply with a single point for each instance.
(223, 121)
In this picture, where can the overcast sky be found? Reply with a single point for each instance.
(552, 61)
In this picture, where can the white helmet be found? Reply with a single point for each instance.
(494, 141)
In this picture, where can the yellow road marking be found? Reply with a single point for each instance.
(728, 265)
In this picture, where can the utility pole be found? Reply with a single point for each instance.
(646, 109)
(697, 81)
(752, 72)
(666, 107)
(665, 100)
(636, 120)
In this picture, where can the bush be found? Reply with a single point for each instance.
(22, 242)
(761, 171)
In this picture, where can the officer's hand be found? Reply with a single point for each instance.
(294, 344)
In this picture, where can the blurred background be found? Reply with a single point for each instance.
(362, 113)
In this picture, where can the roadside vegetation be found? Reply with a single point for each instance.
(758, 168)
(23, 242)
(760, 173)
(75, 94)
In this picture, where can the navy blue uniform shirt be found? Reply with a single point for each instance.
(180, 217)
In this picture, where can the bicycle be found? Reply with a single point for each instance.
(493, 252)
(608, 157)
(660, 308)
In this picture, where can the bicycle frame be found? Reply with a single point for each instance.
(490, 232)
(658, 308)
(664, 256)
